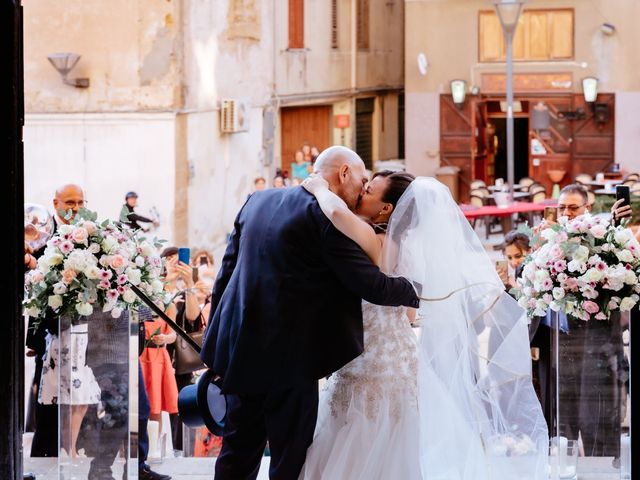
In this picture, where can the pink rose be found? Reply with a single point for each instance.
(68, 275)
(55, 241)
(590, 307)
(598, 231)
(556, 252)
(600, 316)
(36, 276)
(104, 285)
(571, 283)
(122, 279)
(121, 289)
(90, 227)
(547, 284)
(80, 235)
(561, 237)
(117, 262)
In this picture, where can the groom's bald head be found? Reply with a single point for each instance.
(344, 170)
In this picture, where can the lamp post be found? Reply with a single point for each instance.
(508, 13)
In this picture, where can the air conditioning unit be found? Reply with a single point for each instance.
(234, 115)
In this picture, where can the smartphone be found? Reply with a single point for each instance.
(622, 193)
(184, 255)
(502, 265)
(551, 214)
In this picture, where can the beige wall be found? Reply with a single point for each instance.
(130, 51)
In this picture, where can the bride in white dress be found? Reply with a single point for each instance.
(475, 415)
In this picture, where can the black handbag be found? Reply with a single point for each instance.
(186, 359)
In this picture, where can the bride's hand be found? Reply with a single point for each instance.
(314, 183)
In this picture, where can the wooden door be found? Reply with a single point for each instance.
(456, 141)
(480, 153)
(303, 124)
(593, 140)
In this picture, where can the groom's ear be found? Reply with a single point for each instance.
(343, 173)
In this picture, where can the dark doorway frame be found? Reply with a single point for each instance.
(12, 153)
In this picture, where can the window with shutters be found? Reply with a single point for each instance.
(296, 23)
(362, 28)
(542, 35)
(364, 130)
(334, 24)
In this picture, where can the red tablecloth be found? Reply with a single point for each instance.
(493, 211)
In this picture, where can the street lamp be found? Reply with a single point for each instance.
(508, 13)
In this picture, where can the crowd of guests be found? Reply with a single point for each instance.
(301, 168)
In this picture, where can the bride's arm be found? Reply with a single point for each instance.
(344, 219)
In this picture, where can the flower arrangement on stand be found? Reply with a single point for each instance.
(586, 267)
(88, 266)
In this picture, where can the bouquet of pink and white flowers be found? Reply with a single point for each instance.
(88, 266)
(586, 267)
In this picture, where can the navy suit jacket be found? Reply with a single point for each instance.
(286, 305)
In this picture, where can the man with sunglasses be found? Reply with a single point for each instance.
(591, 363)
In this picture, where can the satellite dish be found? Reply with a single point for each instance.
(422, 63)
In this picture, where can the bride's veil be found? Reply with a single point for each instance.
(480, 417)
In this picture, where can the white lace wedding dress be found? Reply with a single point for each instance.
(368, 425)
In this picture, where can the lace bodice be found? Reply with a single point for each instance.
(387, 369)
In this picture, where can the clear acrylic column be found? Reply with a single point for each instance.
(97, 396)
(589, 382)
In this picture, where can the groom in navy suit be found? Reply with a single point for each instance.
(286, 311)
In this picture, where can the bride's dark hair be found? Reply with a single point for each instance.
(398, 182)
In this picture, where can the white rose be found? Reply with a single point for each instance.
(625, 256)
(65, 229)
(84, 309)
(548, 234)
(627, 304)
(92, 272)
(94, 248)
(55, 301)
(593, 275)
(128, 296)
(623, 236)
(53, 259)
(581, 254)
(555, 306)
(116, 312)
(558, 293)
(32, 311)
(134, 275)
(576, 266)
(146, 248)
(140, 261)
(157, 286)
(523, 302)
(630, 277)
(108, 244)
(59, 288)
